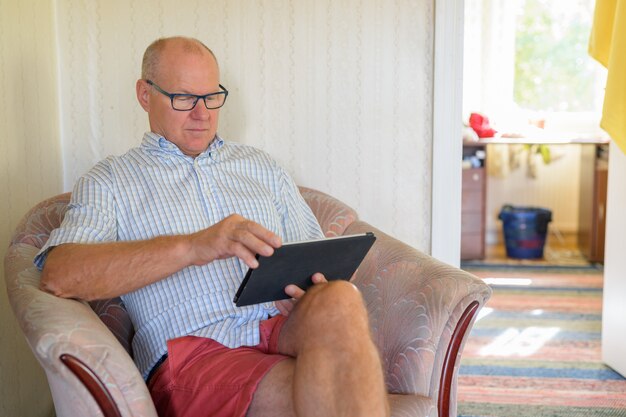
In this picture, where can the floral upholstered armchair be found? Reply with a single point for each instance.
(421, 311)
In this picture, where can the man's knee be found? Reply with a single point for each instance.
(337, 306)
(335, 296)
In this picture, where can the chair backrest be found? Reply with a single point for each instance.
(333, 216)
(36, 226)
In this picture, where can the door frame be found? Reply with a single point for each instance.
(447, 131)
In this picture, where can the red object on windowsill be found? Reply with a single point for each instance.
(480, 124)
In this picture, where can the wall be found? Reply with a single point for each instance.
(30, 170)
(555, 187)
(613, 306)
(339, 92)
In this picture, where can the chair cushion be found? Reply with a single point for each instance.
(114, 315)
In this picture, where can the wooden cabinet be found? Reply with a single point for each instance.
(473, 213)
(592, 201)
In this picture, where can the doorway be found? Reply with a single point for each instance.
(527, 73)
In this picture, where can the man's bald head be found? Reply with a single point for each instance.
(151, 58)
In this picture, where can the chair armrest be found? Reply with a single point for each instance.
(78, 353)
(421, 311)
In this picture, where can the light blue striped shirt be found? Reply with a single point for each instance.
(156, 190)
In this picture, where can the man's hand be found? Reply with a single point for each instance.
(295, 292)
(233, 236)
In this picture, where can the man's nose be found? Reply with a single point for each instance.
(200, 111)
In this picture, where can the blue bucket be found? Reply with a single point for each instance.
(525, 230)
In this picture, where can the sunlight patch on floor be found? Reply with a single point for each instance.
(513, 342)
(484, 312)
(518, 282)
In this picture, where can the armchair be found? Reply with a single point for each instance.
(421, 311)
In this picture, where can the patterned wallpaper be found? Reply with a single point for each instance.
(339, 92)
(30, 170)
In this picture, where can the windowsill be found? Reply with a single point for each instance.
(544, 139)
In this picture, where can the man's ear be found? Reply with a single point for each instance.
(143, 94)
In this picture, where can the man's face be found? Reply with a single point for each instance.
(186, 73)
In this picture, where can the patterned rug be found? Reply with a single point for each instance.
(535, 351)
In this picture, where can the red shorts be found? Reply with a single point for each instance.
(202, 377)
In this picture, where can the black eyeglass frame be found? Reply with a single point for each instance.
(172, 96)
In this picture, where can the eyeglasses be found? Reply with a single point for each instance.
(186, 102)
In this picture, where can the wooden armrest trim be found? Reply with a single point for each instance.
(449, 362)
(94, 385)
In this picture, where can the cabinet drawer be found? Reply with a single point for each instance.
(472, 201)
(472, 247)
(471, 223)
(473, 178)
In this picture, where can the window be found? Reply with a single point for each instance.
(552, 69)
(527, 59)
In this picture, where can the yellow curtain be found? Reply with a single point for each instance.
(607, 45)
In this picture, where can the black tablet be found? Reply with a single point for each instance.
(295, 263)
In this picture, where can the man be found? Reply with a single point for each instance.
(172, 226)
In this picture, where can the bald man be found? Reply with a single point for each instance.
(172, 226)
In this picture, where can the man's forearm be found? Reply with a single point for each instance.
(106, 270)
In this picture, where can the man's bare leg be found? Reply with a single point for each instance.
(274, 395)
(337, 369)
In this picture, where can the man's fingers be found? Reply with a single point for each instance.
(243, 238)
(254, 238)
(294, 291)
(248, 258)
(318, 278)
(264, 235)
(247, 249)
(284, 306)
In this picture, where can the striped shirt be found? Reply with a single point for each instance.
(156, 190)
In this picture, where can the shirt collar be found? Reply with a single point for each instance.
(156, 142)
